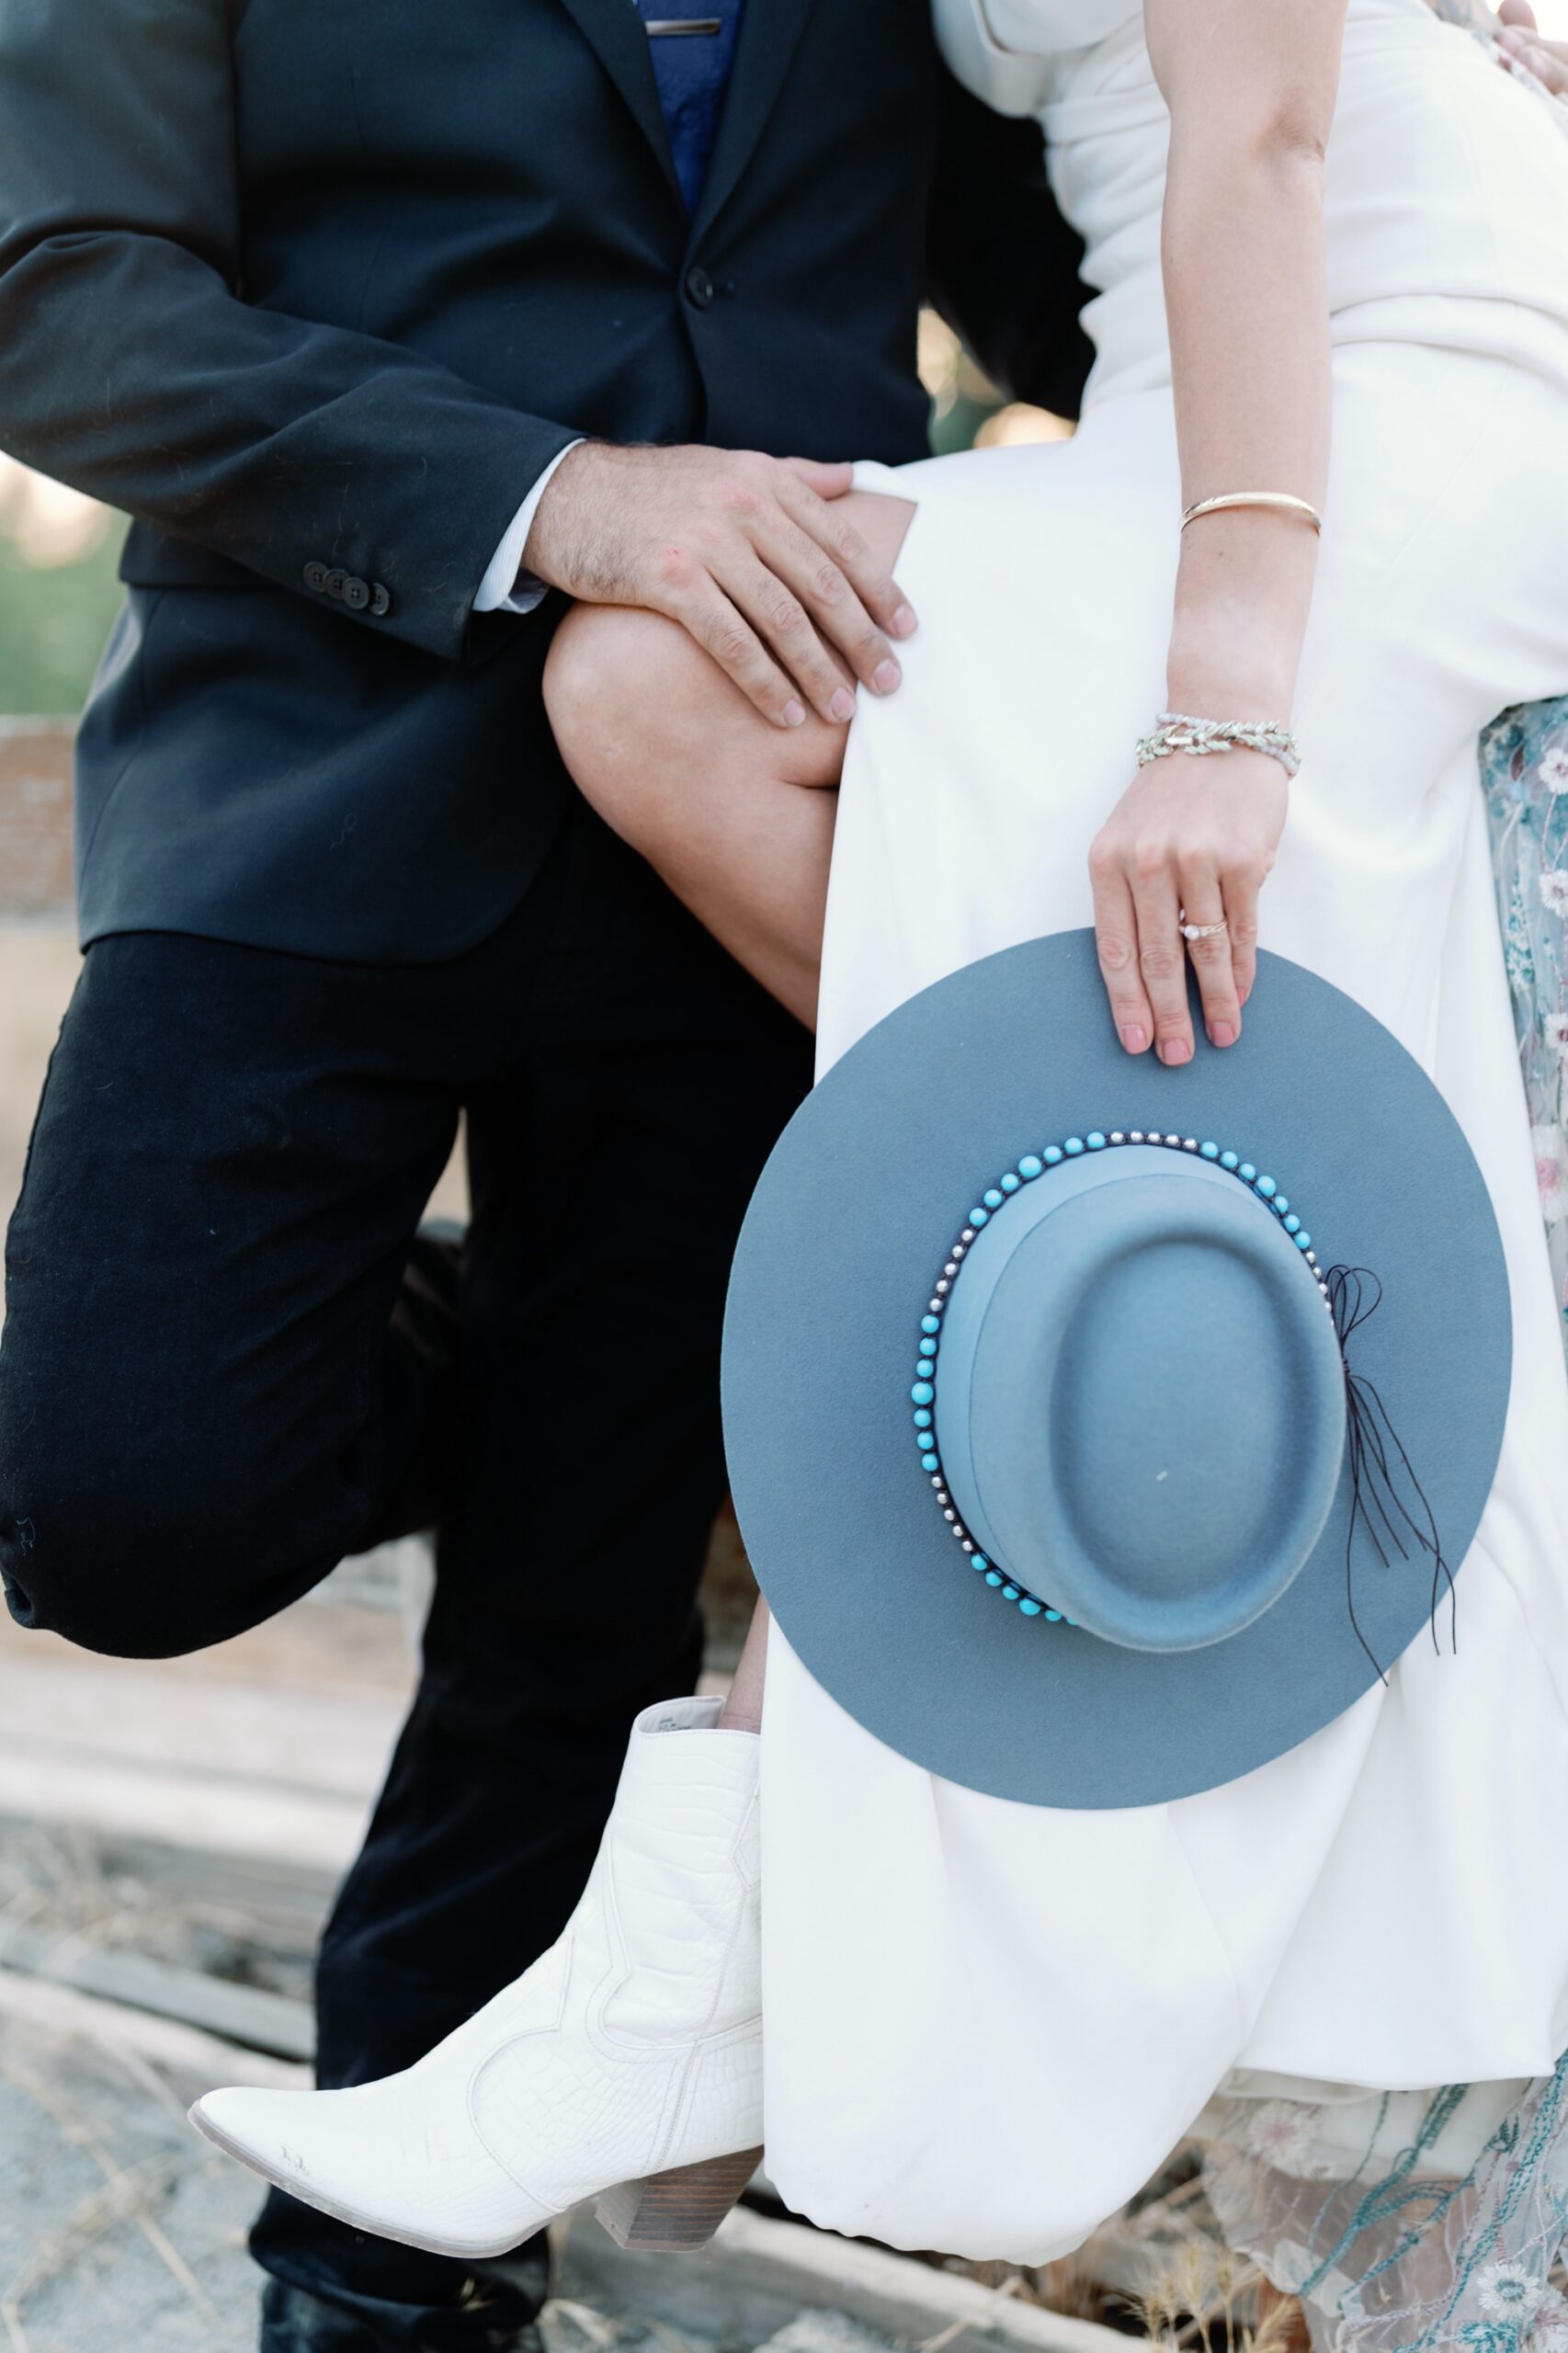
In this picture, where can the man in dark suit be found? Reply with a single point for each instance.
(343, 300)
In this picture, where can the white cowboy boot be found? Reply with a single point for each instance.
(626, 2064)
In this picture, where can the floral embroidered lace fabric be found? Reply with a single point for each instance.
(1408, 2252)
(1524, 771)
(1413, 2221)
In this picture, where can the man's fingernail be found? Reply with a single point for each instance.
(794, 714)
(1222, 1034)
(1134, 1039)
(1175, 1051)
(843, 704)
(886, 677)
(903, 623)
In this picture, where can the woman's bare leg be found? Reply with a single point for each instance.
(742, 1709)
(736, 815)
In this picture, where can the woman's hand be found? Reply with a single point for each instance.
(1193, 834)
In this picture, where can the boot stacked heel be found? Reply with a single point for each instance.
(672, 2213)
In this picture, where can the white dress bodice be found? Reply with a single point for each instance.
(1047, 27)
(1432, 189)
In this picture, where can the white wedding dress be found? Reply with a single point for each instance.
(988, 2023)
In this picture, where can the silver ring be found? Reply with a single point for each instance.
(1202, 930)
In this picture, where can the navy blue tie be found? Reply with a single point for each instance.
(693, 53)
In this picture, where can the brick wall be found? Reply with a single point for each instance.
(35, 816)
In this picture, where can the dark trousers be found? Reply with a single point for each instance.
(219, 1373)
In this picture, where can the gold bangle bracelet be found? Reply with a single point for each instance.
(1282, 503)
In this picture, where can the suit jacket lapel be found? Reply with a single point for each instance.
(770, 34)
(614, 30)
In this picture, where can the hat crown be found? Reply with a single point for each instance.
(1140, 1399)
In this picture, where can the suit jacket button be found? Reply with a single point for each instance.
(356, 594)
(381, 599)
(336, 584)
(315, 577)
(699, 289)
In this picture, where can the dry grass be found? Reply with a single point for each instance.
(62, 1883)
(1161, 2272)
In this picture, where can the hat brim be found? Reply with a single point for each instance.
(860, 1199)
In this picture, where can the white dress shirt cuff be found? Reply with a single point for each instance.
(507, 587)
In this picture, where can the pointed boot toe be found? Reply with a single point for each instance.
(395, 2158)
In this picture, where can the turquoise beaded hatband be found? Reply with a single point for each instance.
(995, 1197)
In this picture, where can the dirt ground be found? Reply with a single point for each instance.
(117, 2228)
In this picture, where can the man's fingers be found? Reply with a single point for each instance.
(709, 616)
(1161, 959)
(836, 480)
(1116, 943)
(832, 602)
(782, 622)
(848, 550)
(1547, 60)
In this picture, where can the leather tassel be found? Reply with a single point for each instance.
(1388, 1509)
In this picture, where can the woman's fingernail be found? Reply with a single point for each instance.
(886, 676)
(843, 704)
(794, 714)
(903, 623)
(1175, 1051)
(1222, 1034)
(1134, 1039)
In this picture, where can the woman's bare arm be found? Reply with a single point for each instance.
(1251, 88)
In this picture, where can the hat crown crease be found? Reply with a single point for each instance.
(1141, 1400)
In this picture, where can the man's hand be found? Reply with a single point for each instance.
(1547, 60)
(746, 553)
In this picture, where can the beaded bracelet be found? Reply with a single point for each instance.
(1175, 731)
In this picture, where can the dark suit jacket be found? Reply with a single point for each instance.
(313, 290)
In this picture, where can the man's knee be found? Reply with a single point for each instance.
(131, 1549)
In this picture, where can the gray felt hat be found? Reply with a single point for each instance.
(1066, 1449)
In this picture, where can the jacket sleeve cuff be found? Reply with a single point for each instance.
(507, 587)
